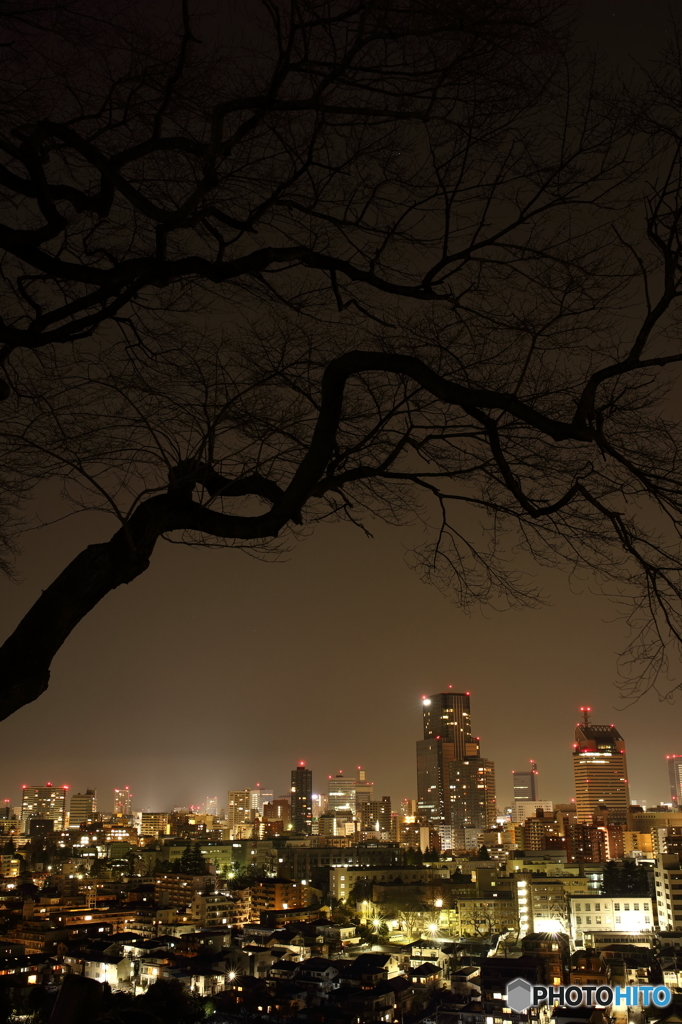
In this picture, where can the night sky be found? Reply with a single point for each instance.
(214, 671)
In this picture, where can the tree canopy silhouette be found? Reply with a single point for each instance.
(405, 260)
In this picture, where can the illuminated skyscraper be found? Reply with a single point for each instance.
(472, 793)
(375, 817)
(675, 778)
(600, 771)
(259, 797)
(123, 801)
(238, 810)
(447, 717)
(526, 783)
(46, 801)
(447, 738)
(302, 798)
(341, 793)
(364, 790)
(83, 808)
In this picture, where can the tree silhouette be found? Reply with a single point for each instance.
(456, 285)
(192, 862)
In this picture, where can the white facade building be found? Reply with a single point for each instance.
(523, 809)
(668, 881)
(627, 914)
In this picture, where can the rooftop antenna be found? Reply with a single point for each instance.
(586, 715)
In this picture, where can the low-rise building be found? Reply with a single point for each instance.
(342, 879)
(173, 890)
(618, 914)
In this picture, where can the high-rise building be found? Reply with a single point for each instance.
(152, 823)
(433, 795)
(260, 796)
(600, 771)
(668, 879)
(212, 805)
(238, 808)
(83, 808)
(302, 798)
(46, 801)
(447, 737)
(364, 790)
(278, 810)
(408, 807)
(447, 717)
(375, 817)
(526, 783)
(123, 801)
(523, 809)
(675, 778)
(473, 801)
(319, 804)
(341, 793)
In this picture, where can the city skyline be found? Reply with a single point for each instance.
(336, 786)
(503, 659)
(340, 512)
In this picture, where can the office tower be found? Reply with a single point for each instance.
(447, 737)
(278, 810)
(473, 801)
(408, 807)
(447, 717)
(538, 829)
(675, 778)
(375, 817)
(259, 797)
(83, 808)
(341, 793)
(364, 790)
(319, 804)
(599, 771)
(123, 801)
(302, 798)
(212, 805)
(526, 783)
(238, 808)
(46, 801)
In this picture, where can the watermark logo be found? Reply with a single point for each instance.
(521, 995)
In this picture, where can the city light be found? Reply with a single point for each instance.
(240, 878)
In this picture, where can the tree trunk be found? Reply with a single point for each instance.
(26, 655)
